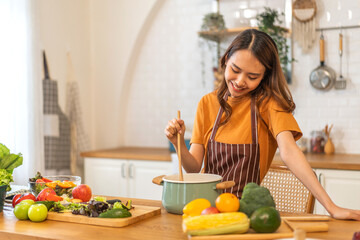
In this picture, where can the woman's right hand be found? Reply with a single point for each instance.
(174, 127)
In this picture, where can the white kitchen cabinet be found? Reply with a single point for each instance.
(343, 187)
(125, 178)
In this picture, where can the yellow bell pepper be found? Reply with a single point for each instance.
(195, 207)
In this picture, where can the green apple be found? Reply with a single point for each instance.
(21, 211)
(37, 212)
(27, 201)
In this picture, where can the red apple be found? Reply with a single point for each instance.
(82, 192)
(210, 210)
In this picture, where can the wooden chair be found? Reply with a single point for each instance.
(289, 194)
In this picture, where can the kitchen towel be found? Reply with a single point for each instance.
(57, 126)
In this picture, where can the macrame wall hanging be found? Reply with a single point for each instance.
(304, 23)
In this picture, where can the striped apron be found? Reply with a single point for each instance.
(235, 162)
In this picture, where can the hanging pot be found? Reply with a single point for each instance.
(176, 194)
(323, 77)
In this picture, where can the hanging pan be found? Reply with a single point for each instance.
(323, 77)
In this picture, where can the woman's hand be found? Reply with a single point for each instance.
(174, 127)
(344, 213)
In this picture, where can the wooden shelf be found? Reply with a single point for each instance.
(211, 35)
(223, 33)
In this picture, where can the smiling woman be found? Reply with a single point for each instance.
(20, 104)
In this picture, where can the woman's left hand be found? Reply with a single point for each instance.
(345, 213)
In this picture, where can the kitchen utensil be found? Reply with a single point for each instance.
(308, 226)
(176, 194)
(322, 77)
(329, 146)
(139, 213)
(307, 218)
(179, 152)
(340, 82)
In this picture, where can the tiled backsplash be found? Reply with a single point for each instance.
(174, 72)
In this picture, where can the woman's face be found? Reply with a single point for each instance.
(243, 73)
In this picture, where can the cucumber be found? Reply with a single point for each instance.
(115, 213)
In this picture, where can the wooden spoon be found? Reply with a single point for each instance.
(179, 152)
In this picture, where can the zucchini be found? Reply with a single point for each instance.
(115, 213)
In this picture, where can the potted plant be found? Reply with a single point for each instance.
(269, 21)
(213, 29)
(8, 162)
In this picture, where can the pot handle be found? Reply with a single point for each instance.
(225, 185)
(158, 180)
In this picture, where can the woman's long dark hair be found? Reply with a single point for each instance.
(273, 84)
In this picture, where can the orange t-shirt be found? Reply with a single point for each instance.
(238, 129)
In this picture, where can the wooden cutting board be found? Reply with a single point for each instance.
(284, 231)
(138, 213)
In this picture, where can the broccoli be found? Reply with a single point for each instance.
(254, 197)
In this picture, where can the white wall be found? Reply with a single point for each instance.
(64, 26)
(315, 108)
(145, 61)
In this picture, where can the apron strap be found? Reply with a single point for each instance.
(218, 117)
(254, 122)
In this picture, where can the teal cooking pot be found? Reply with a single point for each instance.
(176, 193)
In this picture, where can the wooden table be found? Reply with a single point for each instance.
(164, 226)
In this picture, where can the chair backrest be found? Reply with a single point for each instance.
(289, 194)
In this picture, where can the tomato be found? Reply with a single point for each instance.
(37, 212)
(44, 193)
(39, 181)
(23, 197)
(227, 202)
(46, 180)
(52, 197)
(15, 198)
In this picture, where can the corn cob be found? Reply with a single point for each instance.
(219, 223)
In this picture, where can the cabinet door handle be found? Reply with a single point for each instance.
(131, 171)
(123, 170)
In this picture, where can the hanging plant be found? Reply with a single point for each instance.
(213, 24)
(269, 21)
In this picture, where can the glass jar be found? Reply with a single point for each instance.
(317, 142)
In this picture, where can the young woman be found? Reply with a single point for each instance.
(239, 126)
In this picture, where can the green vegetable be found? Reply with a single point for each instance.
(5, 178)
(265, 220)
(48, 204)
(118, 205)
(254, 197)
(8, 161)
(100, 199)
(115, 213)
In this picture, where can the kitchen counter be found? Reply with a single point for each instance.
(331, 161)
(164, 226)
(134, 153)
(324, 161)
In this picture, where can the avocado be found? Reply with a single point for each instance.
(265, 220)
(115, 213)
